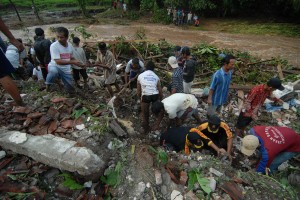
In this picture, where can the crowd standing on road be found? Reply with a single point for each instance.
(62, 62)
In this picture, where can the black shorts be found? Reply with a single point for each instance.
(76, 73)
(5, 66)
(243, 121)
(150, 98)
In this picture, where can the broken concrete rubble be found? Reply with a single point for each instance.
(53, 151)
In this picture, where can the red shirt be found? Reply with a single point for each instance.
(276, 139)
(255, 100)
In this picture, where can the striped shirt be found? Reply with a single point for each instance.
(177, 80)
(220, 85)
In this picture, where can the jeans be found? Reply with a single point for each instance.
(281, 158)
(64, 73)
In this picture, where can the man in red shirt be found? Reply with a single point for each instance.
(255, 99)
(276, 145)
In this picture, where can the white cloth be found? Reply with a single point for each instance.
(38, 73)
(129, 64)
(13, 55)
(190, 16)
(178, 102)
(148, 81)
(32, 51)
(58, 51)
(79, 54)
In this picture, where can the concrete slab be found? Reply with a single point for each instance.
(53, 151)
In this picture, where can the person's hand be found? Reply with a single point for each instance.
(221, 151)
(17, 44)
(209, 101)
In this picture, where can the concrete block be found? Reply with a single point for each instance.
(54, 151)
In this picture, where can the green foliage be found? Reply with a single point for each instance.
(122, 47)
(194, 177)
(70, 183)
(78, 113)
(82, 31)
(161, 155)
(204, 49)
(161, 16)
(147, 5)
(132, 15)
(113, 176)
(19, 196)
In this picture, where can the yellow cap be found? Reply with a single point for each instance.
(249, 144)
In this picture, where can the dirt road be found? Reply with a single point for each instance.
(265, 47)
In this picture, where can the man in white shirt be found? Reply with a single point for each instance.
(61, 60)
(148, 90)
(178, 107)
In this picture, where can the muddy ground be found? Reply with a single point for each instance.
(263, 46)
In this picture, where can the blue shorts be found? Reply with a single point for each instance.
(5, 66)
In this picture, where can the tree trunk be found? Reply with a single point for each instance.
(35, 10)
(15, 10)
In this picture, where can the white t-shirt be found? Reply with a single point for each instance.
(190, 16)
(179, 102)
(79, 54)
(58, 51)
(38, 73)
(129, 64)
(148, 80)
(13, 55)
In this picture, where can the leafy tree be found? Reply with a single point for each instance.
(82, 6)
(15, 8)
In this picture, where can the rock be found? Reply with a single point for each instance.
(166, 178)
(88, 184)
(54, 151)
(140, 188)
(176, 195)
(193, 164)
(164, 190)
(2, 154)
(191, 196)
(215, 172)
(51, 174)
(212, 184)
(158, 178)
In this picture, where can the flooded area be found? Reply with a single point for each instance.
(264, 47)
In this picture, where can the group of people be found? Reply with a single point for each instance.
(276, 144)
(180, 17)
(63, 61)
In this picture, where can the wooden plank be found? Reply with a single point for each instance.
(241, 96)
(245, 88)
(117, 128)
(279, 70)
(291, 71)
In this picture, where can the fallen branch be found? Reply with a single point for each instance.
(262, 61)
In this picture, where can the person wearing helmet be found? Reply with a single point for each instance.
(219, 133)
(275, 144)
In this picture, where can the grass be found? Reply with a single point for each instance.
(245, 26)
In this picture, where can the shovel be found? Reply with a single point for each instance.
(112, 100)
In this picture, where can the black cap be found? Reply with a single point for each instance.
(275, 83)
(136, 61)
(194, 137)
(214, 120)
(76, 40)
(39, 31)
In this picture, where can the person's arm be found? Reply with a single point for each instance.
(159, 119)
(9, 35)
(261, 167)
(220, 151)
(210, 94)
(160, 93)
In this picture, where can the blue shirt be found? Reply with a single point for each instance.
(177, 80)
(220, 84)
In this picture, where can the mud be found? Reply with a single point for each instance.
(264, 47)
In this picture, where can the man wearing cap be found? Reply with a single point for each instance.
(178, 107)
(219, 86)
(218, 132)
(189, 68)
(177, 78)
(255, 99)
(275, 144)
(134, 67)
(106, 60)
(187, 139)
(42, 51)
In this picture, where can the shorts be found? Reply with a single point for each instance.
(243, 121)
(76, 73)
(150, 98)
(6, 67)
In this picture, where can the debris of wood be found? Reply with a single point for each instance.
(117, 128)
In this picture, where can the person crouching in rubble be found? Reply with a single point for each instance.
(148, 90)
(275, 144)
(218, 132)
(187, 139)
(178, 107)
